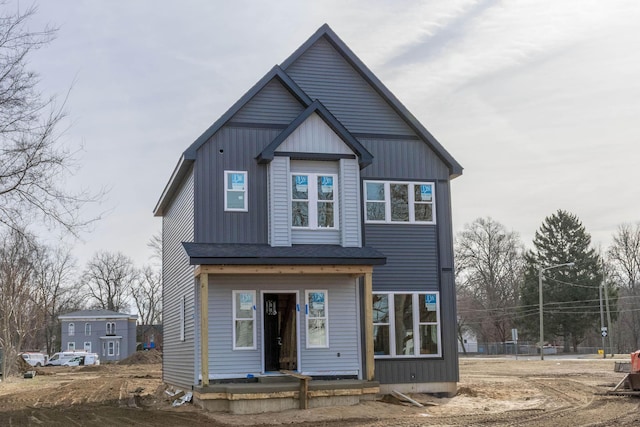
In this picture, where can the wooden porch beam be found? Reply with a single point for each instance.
(357, 270)
(368, 326)
(204, 328)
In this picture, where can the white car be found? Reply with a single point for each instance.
(76, 361)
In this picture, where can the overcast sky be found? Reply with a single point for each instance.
(538, 100)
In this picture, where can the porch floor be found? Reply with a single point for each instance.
(271, 394)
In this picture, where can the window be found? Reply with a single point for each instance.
(244, 316)
(313, 201)
(110, 348)
(87, 346)
(71, 346)
(72, 329)
(181, 317)
(117, 348)
(87, 329)
(317, 319)
(111, 328)
(235, 191)
(406, 324)
(399, 202)
(104, 348)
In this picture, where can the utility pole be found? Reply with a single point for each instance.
(606, 298)
(603, 329)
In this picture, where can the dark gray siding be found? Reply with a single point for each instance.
(178, 360)
(272, 105)
(412, 256)
(239, 147)
(324, 74)
(402, 159)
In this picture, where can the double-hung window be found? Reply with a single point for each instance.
(317, 319)
(235, 191)
(87, 329)
(72, 329)
(244, 320)
(406, 324)
(399, 202)
(314, 200)
(111, 328)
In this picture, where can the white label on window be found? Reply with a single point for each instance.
(246, 301)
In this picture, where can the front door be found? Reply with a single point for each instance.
(280, 342)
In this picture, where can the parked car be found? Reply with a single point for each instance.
(61, 358)
(35, 359)
(76, 361)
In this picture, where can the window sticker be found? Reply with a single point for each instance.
(246, 301)
(430, 302)
(302, 183)
(326, 185)
(425, 193)
(237, 181)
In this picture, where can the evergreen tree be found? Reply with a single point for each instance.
(571, 299)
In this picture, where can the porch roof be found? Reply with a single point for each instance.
(262, 254)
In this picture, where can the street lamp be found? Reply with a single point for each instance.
(540, 271)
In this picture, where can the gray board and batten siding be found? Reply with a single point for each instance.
(343, 353)
(178, 281)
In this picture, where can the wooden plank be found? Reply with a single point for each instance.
(358, 270)
(304, 387)
(204, 328)
(368, 326)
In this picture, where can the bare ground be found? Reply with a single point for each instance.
(494, 392)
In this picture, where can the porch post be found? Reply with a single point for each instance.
(204, 328)
(368, 325)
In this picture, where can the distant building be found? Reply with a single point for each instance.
(110, 334)
(149, 337)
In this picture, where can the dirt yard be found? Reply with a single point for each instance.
(495, 392)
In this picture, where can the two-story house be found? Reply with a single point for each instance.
(110, 334)
(309, 230)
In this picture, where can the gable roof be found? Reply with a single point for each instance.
(89, 314)
(364, 157)
(189, 155)
(455, 169)
(278, 72)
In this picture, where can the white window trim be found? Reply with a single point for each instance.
(308, 317)
(72, 329)
(246, 191)
(111, 328)
(181, 317)
(87, 346)
(313, 200)
(416, 326)
(387, 202)
(71, 346)
(111, 346)
(253, 318)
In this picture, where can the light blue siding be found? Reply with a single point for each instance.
(314, 136)
(350, 211)
(342, 355)
(279, 205)
(178, 281)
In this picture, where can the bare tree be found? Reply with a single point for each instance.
(33, 162)
(54, 291)
(17, 310)
(108, 278)
(155, 244)
(624, 261)
(147, 295)
(490, 264)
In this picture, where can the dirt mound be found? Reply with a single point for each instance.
(145, 357)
